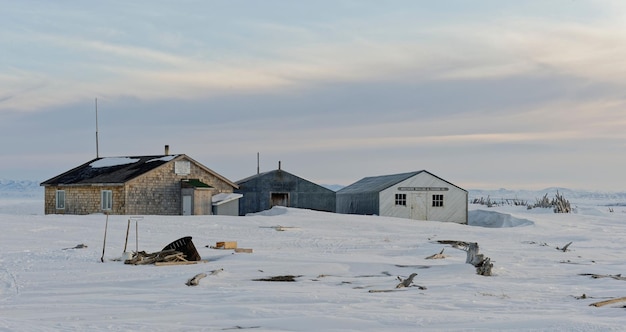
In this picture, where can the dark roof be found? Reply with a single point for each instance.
(376, 183)
(380, 183)
(112, 170)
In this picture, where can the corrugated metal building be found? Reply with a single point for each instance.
(280, 188)
(416, 195)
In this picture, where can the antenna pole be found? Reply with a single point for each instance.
(258, 170)
(97, 152)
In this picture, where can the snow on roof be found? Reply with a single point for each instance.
(113, 161)
(222, 198)
(164, 158)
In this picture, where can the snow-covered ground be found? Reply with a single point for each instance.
(337, 259)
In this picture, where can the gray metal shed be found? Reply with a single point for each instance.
(280, 188)
(418, 195)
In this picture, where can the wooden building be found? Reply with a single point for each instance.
(143, 185)
(416, 195)
(280, 188)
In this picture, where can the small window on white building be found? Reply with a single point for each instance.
(437, 200)
(60, 199)
(401, 199)
(106, 200)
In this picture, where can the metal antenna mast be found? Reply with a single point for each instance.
(97, 152)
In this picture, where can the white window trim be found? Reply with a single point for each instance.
(106, 200)
(58, 201)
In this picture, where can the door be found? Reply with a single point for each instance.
(186, 205)
(418, 206)
(279, 199)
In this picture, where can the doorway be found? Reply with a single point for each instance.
(279, 199)
(418, 206)
(186, 205)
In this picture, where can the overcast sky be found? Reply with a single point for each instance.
(485, 94)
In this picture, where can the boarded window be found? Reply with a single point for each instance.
(437, 200)
(401, 199)
(60, 199)
(106, 200)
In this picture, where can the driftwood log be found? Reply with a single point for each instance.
(564, 249)
(406, 282)
(195, 280)
(483, 264)
(603, 303)
(440, 255)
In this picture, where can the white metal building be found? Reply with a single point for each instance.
(418, 195)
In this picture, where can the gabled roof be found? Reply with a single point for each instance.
(118, 170)
(376, 183)
(380, 183)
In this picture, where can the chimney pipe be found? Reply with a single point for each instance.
(279, 165)
(167, 150)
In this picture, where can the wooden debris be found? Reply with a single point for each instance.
(603, 303)
(78, 246)
(287, 278)
(225, 245)
(483, 264)
(440, 255)
(215, 272)
(455, 244)
(564, 249)
(406, 282)
(249, 251)
(598, 276)
(278, 228)
(195, 280)
(161, 257)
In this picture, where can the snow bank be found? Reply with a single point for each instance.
(493, 219)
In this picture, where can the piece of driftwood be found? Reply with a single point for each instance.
(455, 244)
(598, 276)
(78, 246)
(279, 227)
(285, 278)
(440, 255)
(406, 282)
(603, 303)
(178, 263)
(564, 249)
(483, 264)
(195, 280)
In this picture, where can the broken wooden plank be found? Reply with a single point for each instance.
(179, 263)
(245, 250)
(440, 255)
(225, 245)
(603, 303)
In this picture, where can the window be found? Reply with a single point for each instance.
(401, 199)
(437, 200)
(106, 199)
(60, 199)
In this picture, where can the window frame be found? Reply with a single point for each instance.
(106, 200)
(437, 200)
(400, 199)
(60, 203)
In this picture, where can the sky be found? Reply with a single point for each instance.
(485, 94)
